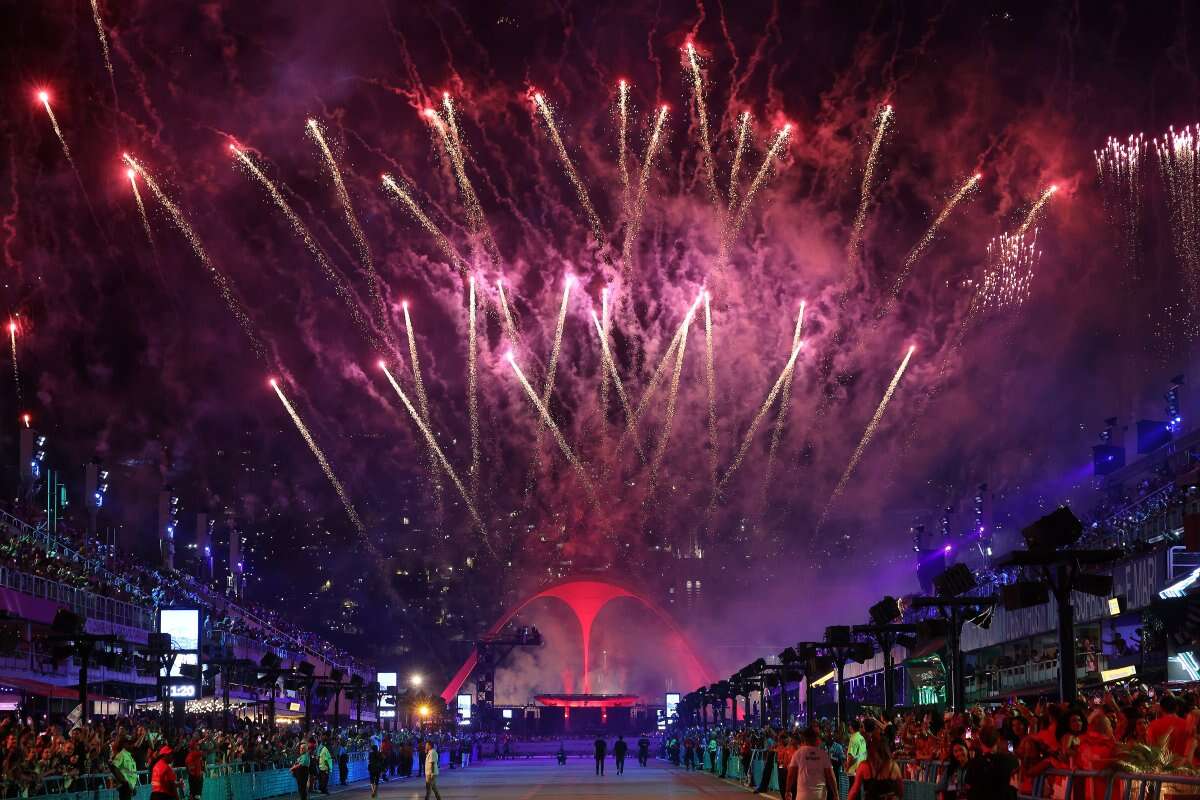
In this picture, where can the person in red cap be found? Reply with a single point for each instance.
(162, 777)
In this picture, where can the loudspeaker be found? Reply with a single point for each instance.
(885, 611)
(1107, 459)
(1024, 594)
(1059, 528)
(954, 581)
(837, 635)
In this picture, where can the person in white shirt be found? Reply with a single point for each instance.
(810, 771)
(431, 771)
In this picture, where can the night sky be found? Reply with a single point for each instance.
(128, 351)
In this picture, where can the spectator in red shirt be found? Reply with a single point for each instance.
(1169, 729)
(195, 769)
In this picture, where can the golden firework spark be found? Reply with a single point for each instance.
(748, 438)
(223, 284)
(1032, 216)
(510, 326)
(868, 434)
(1179, 164)
(610, 367)
(589, 210)
(1008, 276)
(785, 396)
(44, 97)
(112, 78)
(360, 238)
(431, 442)
(584, 478)
(475, 216)
(425, 222)
(760, 180)
(853, 249)
(622, 138)
(321, 459)
(1119, 168)
(473, 388)
(669, 417)
(919, 249)
(738, 151)
(556, 350)
(12, 335)
(702, 112)
(340, 287)
(634, 222)
(710, 377)
(604, 376)
(632, 423)
(141, 207)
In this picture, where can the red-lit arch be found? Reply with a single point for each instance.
(586, 596)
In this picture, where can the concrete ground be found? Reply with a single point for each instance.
(544, 779)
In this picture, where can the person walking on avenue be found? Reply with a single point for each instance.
(374, 768)
(162, 777)
(620, 748)
(343, 760)
(431, 771)
(643, 751)
(324, 766)
(809, 771)
(601, 753)
(300, 771)
(124, 770)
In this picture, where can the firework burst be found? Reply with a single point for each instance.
(1179, 164)
(1119, 167)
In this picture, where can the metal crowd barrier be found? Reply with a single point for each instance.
(234, 781)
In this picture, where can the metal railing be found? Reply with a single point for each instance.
(82, 602)
(994, 682)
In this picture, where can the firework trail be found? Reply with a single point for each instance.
(141, 207)
(1179, 164)
(854, 248)
(1008, 276)
(760, 179)
(604, 376)
(556, 350)
(224, 286)
(866, 437)
(669, 417)
(321, 459)
(506, 314)
(475, 217)
(622, 149)
(44, 98)
(785, 396)
(425, 222)
(1119, 169)
(710, 376)
(12, 335)
(702, 112)
(558, 437)
(301, 230)
(1032, 216)
(572, 175)
(431, 441)
(451, 121)
(360, 239)
(738, 151)
(631, 424)
(422, 399)
(634, 221)
(610, 366)
(473, 388)
(922, 245)
(748, 439)
(112, 79)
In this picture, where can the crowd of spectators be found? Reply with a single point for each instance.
(37, 760)
(1130, 729)
(71, 558)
